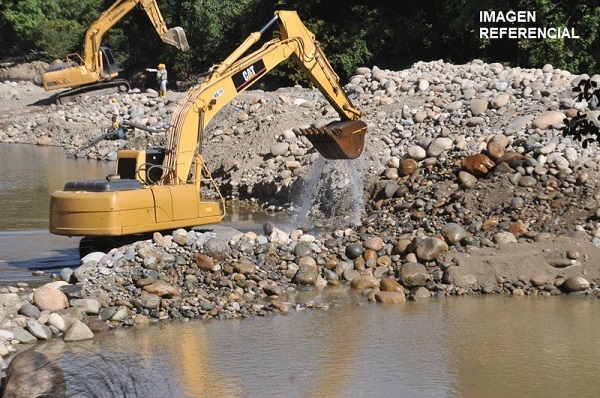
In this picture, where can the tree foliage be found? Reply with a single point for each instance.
(46, 29)
(581, 127)
(214, 29)
(389, 34)
(577, 54)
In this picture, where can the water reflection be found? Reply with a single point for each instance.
(526, 346)
(30, 174)
(455, 347)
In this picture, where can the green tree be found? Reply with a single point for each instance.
(214, 29)
(47, 29)
(388, 34)
(578, 55)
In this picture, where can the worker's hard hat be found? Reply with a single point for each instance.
(113, 99)
(161, 65)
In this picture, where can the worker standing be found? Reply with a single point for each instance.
(116, 110)
(161, 77)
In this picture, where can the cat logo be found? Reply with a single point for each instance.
(249, 73)
(245, 78)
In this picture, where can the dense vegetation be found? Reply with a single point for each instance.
(389, 34)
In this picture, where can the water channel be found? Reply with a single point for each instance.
(487, 346)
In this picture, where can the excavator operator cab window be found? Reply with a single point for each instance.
(109, 61)
(143, 165)
(126, 168)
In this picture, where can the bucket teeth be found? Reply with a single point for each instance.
(337, 140)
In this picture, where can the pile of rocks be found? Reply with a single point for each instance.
(227, 274)
(429, 116)
(459, 159)
(74, 124)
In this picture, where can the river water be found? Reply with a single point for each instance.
(489, 346)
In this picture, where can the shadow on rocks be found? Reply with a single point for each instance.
(44, 101)
(32, 374)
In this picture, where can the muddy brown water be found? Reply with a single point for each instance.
(491, 346)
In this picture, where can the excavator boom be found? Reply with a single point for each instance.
(341, 140)
(156, 191)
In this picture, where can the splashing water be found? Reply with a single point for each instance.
(304, 198)
(331, 196)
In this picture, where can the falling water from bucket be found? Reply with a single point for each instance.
(331, 196)
(306, 194)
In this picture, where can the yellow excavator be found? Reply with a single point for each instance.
(98, 67)
(159, 190)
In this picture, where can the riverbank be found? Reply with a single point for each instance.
(224, 274)
(466, 186)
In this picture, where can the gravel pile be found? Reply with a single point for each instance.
(466, 186)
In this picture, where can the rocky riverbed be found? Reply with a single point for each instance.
(467, 186)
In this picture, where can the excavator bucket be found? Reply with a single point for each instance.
(338, 140)
(176, 37)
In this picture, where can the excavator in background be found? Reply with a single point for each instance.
(98, 68)
(160, 190)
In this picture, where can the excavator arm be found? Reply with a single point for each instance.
(152, 193)
(338, 140)
(116, 12)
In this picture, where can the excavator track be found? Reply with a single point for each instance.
(117, 85)
(337, 140)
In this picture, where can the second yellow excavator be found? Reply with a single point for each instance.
(158, 190)
(98, 67)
